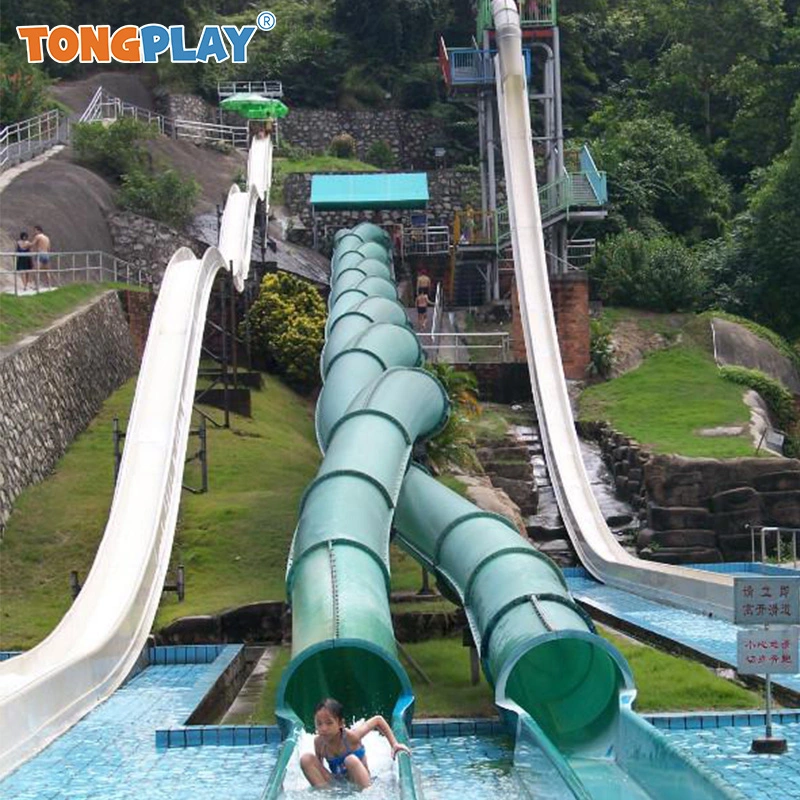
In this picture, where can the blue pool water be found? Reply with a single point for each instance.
(758, 777)
(457, 768)
(112, 753)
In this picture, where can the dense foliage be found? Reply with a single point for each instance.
(23, 87)
(686, 105)
(117, 152)
(286, 326)
(455, 443)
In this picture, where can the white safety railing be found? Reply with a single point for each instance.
(233, 135)
(264, 88)
(93, 111)
(104, 106)
(63, 268)
(764, 533)
(426, 240)
(23, 140)
(492, 347)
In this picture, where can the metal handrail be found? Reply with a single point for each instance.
(264, 88)
(471, 66)
(80, 266)
(532, 14)
(21, 140)
(426, 239)
(91, 111)
(107, 106)
(469, 341)
(763, 532)
(596, 179)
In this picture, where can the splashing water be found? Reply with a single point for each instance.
(385, 785)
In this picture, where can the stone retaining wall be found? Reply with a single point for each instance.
(697, 509)
(410, 135)
(185, 106)
(52, 385)
(146, 244)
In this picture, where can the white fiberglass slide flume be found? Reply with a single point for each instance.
(92, 650)
(597, 548)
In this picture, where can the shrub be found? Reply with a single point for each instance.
(455, 442)
(380, 154)
(287, 324)
(112, 150)
(777, 397)
(601, 349)
(164, 196)
(660, 274)
(343, 145)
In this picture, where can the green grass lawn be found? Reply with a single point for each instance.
(311, 163)
(233, 540)
(664, 682)
(22, 315)
(665, 402)
(668, 683)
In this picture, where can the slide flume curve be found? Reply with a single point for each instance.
(100, 639)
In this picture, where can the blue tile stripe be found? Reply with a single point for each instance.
(244, 735)
(6, 654)
(217, 736)
(438, 728)
(706, 721)
(185, 654)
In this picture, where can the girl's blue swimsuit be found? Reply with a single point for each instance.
(336, 763)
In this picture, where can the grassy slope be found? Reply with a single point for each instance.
(233, 540)
(22, 315)
(666, 400)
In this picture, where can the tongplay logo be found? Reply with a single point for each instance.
(140, 45)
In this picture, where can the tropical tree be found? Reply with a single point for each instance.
(656, 170)
(774, 242)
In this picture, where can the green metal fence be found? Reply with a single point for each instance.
(532, 14)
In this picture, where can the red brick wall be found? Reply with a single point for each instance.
(138, 308)
(570, 297)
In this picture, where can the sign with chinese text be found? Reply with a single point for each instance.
(767, 651)
(766, 600)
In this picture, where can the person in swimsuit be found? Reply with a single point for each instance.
(422, 310)
(24, 257)
(341, 747)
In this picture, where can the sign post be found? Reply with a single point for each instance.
(768, 601)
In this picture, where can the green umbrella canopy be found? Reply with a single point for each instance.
(255, 106)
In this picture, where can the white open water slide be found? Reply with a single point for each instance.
(100, 639)
(597, 547)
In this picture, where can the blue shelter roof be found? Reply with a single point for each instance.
(371, 190)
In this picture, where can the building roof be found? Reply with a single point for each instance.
(370, 191)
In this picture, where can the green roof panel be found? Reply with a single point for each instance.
(372, 190)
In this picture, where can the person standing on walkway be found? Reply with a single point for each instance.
(41, 246)
(422, 310)
(424, 283)
(24, 258)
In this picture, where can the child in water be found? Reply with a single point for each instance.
(341, 747)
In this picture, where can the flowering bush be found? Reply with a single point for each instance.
(287, 324)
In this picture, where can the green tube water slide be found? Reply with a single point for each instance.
(374, 405)
(564, 691)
